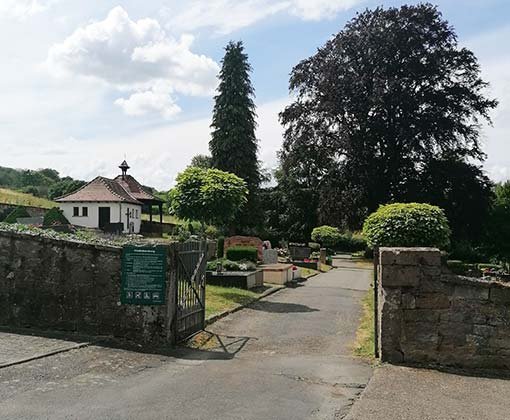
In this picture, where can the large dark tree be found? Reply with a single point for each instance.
(377, 108)
(233, 144)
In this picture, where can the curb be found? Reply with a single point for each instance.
(221, 315)
(43, 355)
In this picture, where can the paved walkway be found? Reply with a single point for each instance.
(287, 357)
(402, 393)
(16, 348)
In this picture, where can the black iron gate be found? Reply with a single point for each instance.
(190, 288)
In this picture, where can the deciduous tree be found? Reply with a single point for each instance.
(377, 108)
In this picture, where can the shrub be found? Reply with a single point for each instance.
(327, 236)
(351, 242)
(409, 224)
(231, 265)
(54, 217)
(239, 253)
(220, 252)
(183, 234)
(17, 213)
(211, 232)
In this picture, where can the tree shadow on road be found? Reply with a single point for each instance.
(281, 307)
(207, 345)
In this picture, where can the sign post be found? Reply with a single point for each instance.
(143, 276)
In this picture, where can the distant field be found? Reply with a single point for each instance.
(166, 218)
(21, 199)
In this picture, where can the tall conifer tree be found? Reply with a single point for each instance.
(233, 145)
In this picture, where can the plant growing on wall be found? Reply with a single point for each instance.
(407, 225)
(209, 196)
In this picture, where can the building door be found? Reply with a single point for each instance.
(104, 217)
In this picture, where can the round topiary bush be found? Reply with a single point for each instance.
(327, 236)
(407, 225)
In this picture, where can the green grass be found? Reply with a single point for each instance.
(167, 218)
(21, 199)
(365, 337)
(220, 299)
(308, 272)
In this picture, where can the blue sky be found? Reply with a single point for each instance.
(85, 84)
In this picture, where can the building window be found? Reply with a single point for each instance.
(84, 211)
(76, 211)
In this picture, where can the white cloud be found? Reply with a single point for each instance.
(138, 57)
(495, 65)
(22, 9)
(226, 16)
(142, 103)
(320, 9)
(157, 163)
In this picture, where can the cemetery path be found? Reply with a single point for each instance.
(286, 357)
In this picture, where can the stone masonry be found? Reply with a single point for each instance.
(70, 286)
(427, 316)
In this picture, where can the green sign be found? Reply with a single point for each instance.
(143, 275)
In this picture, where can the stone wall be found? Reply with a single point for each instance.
(63, 285)
(427, 315)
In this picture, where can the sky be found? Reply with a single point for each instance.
(84, 85)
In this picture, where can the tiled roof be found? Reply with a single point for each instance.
(100, 189)
(135, 189)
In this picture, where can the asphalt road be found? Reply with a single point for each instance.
(287, 357)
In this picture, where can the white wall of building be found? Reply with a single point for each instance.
(118, 213)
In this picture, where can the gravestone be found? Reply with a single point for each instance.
(245, 241)
(299, 253)
(270, 256)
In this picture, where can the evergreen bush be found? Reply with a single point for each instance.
(407, 225)
(17, 213)
(54, 216)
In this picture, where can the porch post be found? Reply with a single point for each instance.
(150, 212)
(161, 213)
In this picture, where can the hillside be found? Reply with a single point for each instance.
(21, 199)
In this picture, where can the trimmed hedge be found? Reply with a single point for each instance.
(16, 214)
(54, 216)
(407, 225)
(239, 253)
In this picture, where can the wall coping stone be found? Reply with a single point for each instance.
(58, 241)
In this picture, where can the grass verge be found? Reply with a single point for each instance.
(21, 199)
(308, 272)
(220, 299)
(365, 337)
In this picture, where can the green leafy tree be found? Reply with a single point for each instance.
(209, 196)
(201, 161)
(64, 186)
(233, 144)
(497, 241)
(376, 108)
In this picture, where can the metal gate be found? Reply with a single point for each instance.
(190, 288)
